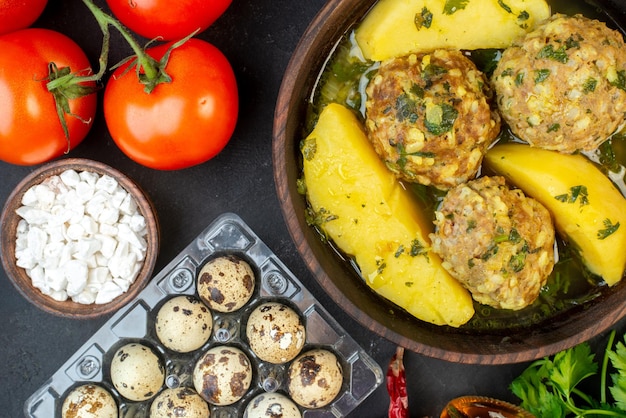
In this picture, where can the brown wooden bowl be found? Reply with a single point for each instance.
(344, 285)
(23, 283)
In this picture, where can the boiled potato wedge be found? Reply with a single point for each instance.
(367, 213)
(398, 27)
(587, 208)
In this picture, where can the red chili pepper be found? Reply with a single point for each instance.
(396, 386)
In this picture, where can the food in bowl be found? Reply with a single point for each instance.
(429, 117)
(496, 241)
(343, 85)
(81, 237)
(563, 85)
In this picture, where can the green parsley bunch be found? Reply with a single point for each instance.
(550, 387)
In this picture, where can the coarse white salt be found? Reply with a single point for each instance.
(81, 236)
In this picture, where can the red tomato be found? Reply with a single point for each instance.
(181, 123)
(171, 20)
(30, 128)
(19, 14)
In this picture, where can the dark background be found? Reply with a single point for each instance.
(258, 37)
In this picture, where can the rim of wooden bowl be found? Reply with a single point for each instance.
(344, 286)
(17, 275)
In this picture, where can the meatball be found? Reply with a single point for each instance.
(562, 86)
(429, 117)
(496, 241)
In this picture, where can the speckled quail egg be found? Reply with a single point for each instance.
(89, 401)
(222, 375)
(271, 405)
(275, 332)
(314, 378)
(179, 402)
(184, 324)
(226, 283)
(137, 372)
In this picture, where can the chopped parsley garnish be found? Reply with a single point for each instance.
(505, 6)
(572, 42)
(308, 148)
(523, 15)
(406, 108)
(609, 229)
(381, 266)
(417, 90)
(558, 55)
(440, 119)
(590, 85)
(517, 261)
(417, 248)
(320, 217)
(453, 6)
(519, 80)
(541, 75)
(577, 193)
(433, 70)
(471, 224)
(507, 72)
(554, 127)
(620, 81)
(399, 251)
(301, 186)
(402, 155)
(423, 19)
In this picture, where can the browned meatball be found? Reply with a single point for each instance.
(429, 117)
(562, 86)
(496, 241)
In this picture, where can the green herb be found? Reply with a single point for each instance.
(507, 72)
(579, 193)
(590, 85)
(523, 16)
(551, 387)
(541, 75)
(381, 266)
(301, 186)
(417, 90)
(440, 119)
(471, 224)
(519, 79)
(554, 127)
(505, 6)
(453, 6)
(549, 52)
(399, 251)
(572, 42)
(406, 108)
(433, 70)
(403, 155)
(423, 19)
(620, 81)
(409, 284)
(320, 217)
(308, 148)
(609, 229)
(417, 248)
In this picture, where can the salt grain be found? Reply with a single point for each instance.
(81, 237)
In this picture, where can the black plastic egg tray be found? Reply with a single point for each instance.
(227, 234)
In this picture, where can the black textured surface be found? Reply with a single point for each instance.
(258, 37)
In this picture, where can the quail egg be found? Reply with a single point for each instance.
(226, 283)
(275, 332)
(137, 372)
(89, 401)
(222, 375)
(183, 324)
(271, 405)
(314, 378)
(179, 402)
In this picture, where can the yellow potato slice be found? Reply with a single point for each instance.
(395, 28)
(586, 206)
(368, 214)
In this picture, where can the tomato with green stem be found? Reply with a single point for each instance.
(178, 115)
(167, 20)
(19, 14)
(46, 111)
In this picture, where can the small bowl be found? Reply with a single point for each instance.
(23, 283)
(340, 280)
